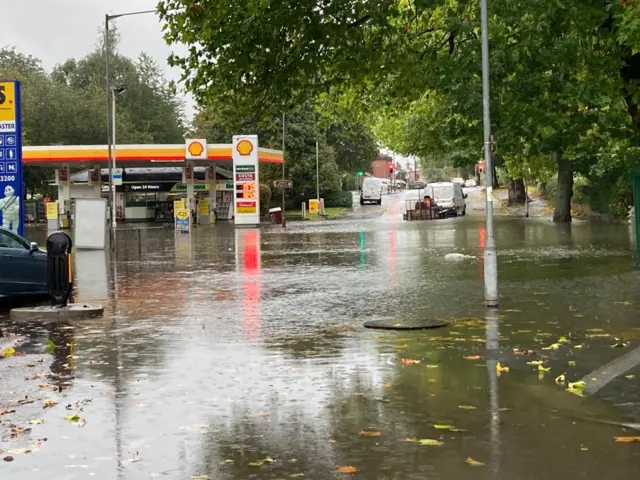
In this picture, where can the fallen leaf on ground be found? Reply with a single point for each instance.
(505, 409)
(19, 451)
(618, 440)
(543, 369)
(560, 379)
(579, 385)
(466, 407)
(228, 460)
(36, 422)
(473, 462)
(473, 357)
(72, 418)
(267, 460)
(296, 475)
(598, 335)
(408, 361)
(626, 303)
(346, 469)
(553, 346)
(259, 463)
(572, 363)
(44, 385)
(629, 377)
(501, 368)
(619, 345)
(535, 362)
(430, 442)
(562, 339)
(577, 388)
(432, 366)
(6, 412)
(369, 433)
(8, 352)
(49, 403)
(443, 427)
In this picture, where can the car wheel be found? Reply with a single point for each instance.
(379, 202)
(361, 201)
(464, 210)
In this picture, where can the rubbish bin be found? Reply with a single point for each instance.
(276, 215)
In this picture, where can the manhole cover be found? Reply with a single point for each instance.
(405, 325)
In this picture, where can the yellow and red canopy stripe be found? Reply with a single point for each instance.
(138, 153)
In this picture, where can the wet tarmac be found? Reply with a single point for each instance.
(241, 353)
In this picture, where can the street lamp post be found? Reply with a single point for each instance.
(110, 113)
(115, 91)
(490, 254)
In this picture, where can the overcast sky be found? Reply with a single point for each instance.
(54, 30)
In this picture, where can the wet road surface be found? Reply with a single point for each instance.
(241, 354)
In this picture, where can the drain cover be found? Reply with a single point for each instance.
(405, 325)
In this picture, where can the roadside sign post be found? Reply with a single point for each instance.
(636, 212)
(11, 195)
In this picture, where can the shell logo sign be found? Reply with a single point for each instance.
(244, 147)
(195, 149)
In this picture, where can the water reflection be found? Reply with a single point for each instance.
(240, 353)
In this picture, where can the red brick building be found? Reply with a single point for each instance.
(380, 166)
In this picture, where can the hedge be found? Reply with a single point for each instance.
(331, 199)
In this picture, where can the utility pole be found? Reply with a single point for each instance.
(317, 173)
(107, 56)
(283, 189)
(490, 251)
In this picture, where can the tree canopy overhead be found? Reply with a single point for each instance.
(565, 75)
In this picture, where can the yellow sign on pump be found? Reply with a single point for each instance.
(52, 210)
(314, 205)
(203, 207)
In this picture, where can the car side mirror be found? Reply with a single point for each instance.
(33, 247)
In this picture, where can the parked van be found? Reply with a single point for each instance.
(449, 197)
(371, 191)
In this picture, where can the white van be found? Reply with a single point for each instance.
(448, 196)
(371, 191)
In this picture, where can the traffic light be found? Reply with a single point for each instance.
(390, 168)
(360, 173)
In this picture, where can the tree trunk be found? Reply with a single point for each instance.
(562, 213)
(517, 192)
(495, 177)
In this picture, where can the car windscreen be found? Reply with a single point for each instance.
(439, 191)
(8, 240)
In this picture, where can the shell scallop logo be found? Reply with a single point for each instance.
(195, 149)
(244, 147)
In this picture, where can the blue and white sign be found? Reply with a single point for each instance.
(11, 191)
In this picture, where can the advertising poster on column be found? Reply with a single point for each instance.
(11, 198)
(246, 180)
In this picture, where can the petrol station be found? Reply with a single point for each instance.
(149, 179)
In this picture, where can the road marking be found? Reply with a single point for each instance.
(600, 377)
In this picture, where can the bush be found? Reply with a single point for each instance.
(338, 199)
(331, 199)
(265, 199)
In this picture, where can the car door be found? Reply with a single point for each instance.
(23, 271)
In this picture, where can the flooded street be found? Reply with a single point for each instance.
(241, 353)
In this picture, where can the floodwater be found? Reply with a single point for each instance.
(241, 354)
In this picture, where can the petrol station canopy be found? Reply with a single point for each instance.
(132, 155)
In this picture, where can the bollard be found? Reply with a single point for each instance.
(59, 268)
